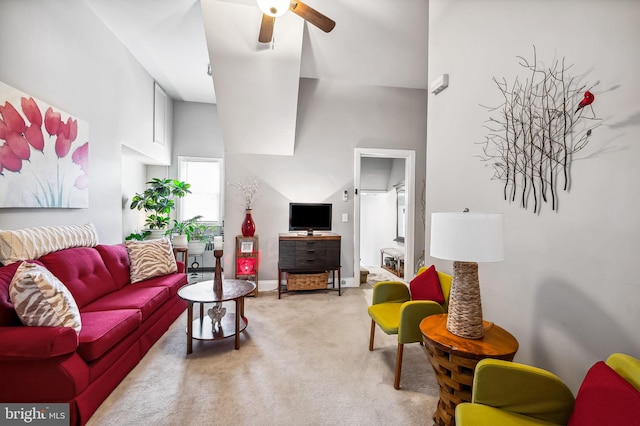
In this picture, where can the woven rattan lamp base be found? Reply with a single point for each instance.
(465, 307)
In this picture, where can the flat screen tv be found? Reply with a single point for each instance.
(310, 217)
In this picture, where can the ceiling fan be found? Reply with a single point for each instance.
(271, 9)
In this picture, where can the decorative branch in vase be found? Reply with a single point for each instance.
(248, 190)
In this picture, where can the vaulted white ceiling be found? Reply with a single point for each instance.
(375, 42)
(167, 38)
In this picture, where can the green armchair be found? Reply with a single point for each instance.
(395, 313)
(511, 394)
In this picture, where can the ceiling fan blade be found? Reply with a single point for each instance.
(266, 28)
(312, 16)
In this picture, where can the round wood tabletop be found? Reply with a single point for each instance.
(202, 292)
(496, 342)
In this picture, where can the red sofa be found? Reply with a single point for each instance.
(120, 323)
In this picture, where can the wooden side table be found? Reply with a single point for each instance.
(247, 260)
(454, 360)
(185, 256)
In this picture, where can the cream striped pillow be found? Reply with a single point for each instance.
(40, 299)
(31, 243)
(150, 258)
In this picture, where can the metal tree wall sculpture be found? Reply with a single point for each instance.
(534, 133)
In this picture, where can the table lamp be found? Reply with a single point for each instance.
(466, 238)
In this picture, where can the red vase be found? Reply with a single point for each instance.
(248, 226)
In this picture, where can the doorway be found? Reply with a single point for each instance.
(363, 155)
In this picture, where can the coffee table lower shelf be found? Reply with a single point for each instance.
(202, 329)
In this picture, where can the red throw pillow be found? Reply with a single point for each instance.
(605, 398)
(426, 286)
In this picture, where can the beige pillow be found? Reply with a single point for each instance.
(150, 258)
(31, 243)
(40, 299)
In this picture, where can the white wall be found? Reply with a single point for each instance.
(377, 225)
(134, 175)
(59, 52)
(568, 289)
(196, 133)
(378, 209)
(333, 119)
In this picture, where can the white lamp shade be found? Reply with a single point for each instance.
(467, 237)
(273, 8)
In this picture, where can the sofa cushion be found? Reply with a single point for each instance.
(116, 260)
(172, 282)
(150, 259)
(605, 398)
(40, 299)
(82, 271)
(32, 243)
(426, 286)
(102, 330)
(145, 299)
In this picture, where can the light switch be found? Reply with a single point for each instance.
(345, 217)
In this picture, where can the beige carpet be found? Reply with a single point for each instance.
(303, 360)
(377, 273)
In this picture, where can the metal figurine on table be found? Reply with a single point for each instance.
(217, 311)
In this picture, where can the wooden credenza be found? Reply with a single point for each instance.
(304, 254)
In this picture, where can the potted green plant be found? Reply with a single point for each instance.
(158, 200)
(138, 236)
(182, 230)
(198, 235)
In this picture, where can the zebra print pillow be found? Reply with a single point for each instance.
(40, 299)
(31, 243)
(150, 258)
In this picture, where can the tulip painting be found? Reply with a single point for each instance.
(44, 154)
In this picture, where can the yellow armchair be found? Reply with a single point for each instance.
(512, 394)
(395, 313)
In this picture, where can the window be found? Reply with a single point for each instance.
(206, 199)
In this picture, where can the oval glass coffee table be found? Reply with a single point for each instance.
(219, 324)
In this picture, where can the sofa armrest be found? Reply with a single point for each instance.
(411, 314)
(390, 291)
(522, 389)
(32, 343)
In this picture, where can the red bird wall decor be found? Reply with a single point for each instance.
(534, 121)
(587, 100)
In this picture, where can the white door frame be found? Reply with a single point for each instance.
(410, 184)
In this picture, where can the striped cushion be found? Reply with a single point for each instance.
(40, 299)
(32, 243)
(150, 259)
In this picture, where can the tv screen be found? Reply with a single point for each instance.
(310, 217)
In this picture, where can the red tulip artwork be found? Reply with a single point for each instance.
(44, 154)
